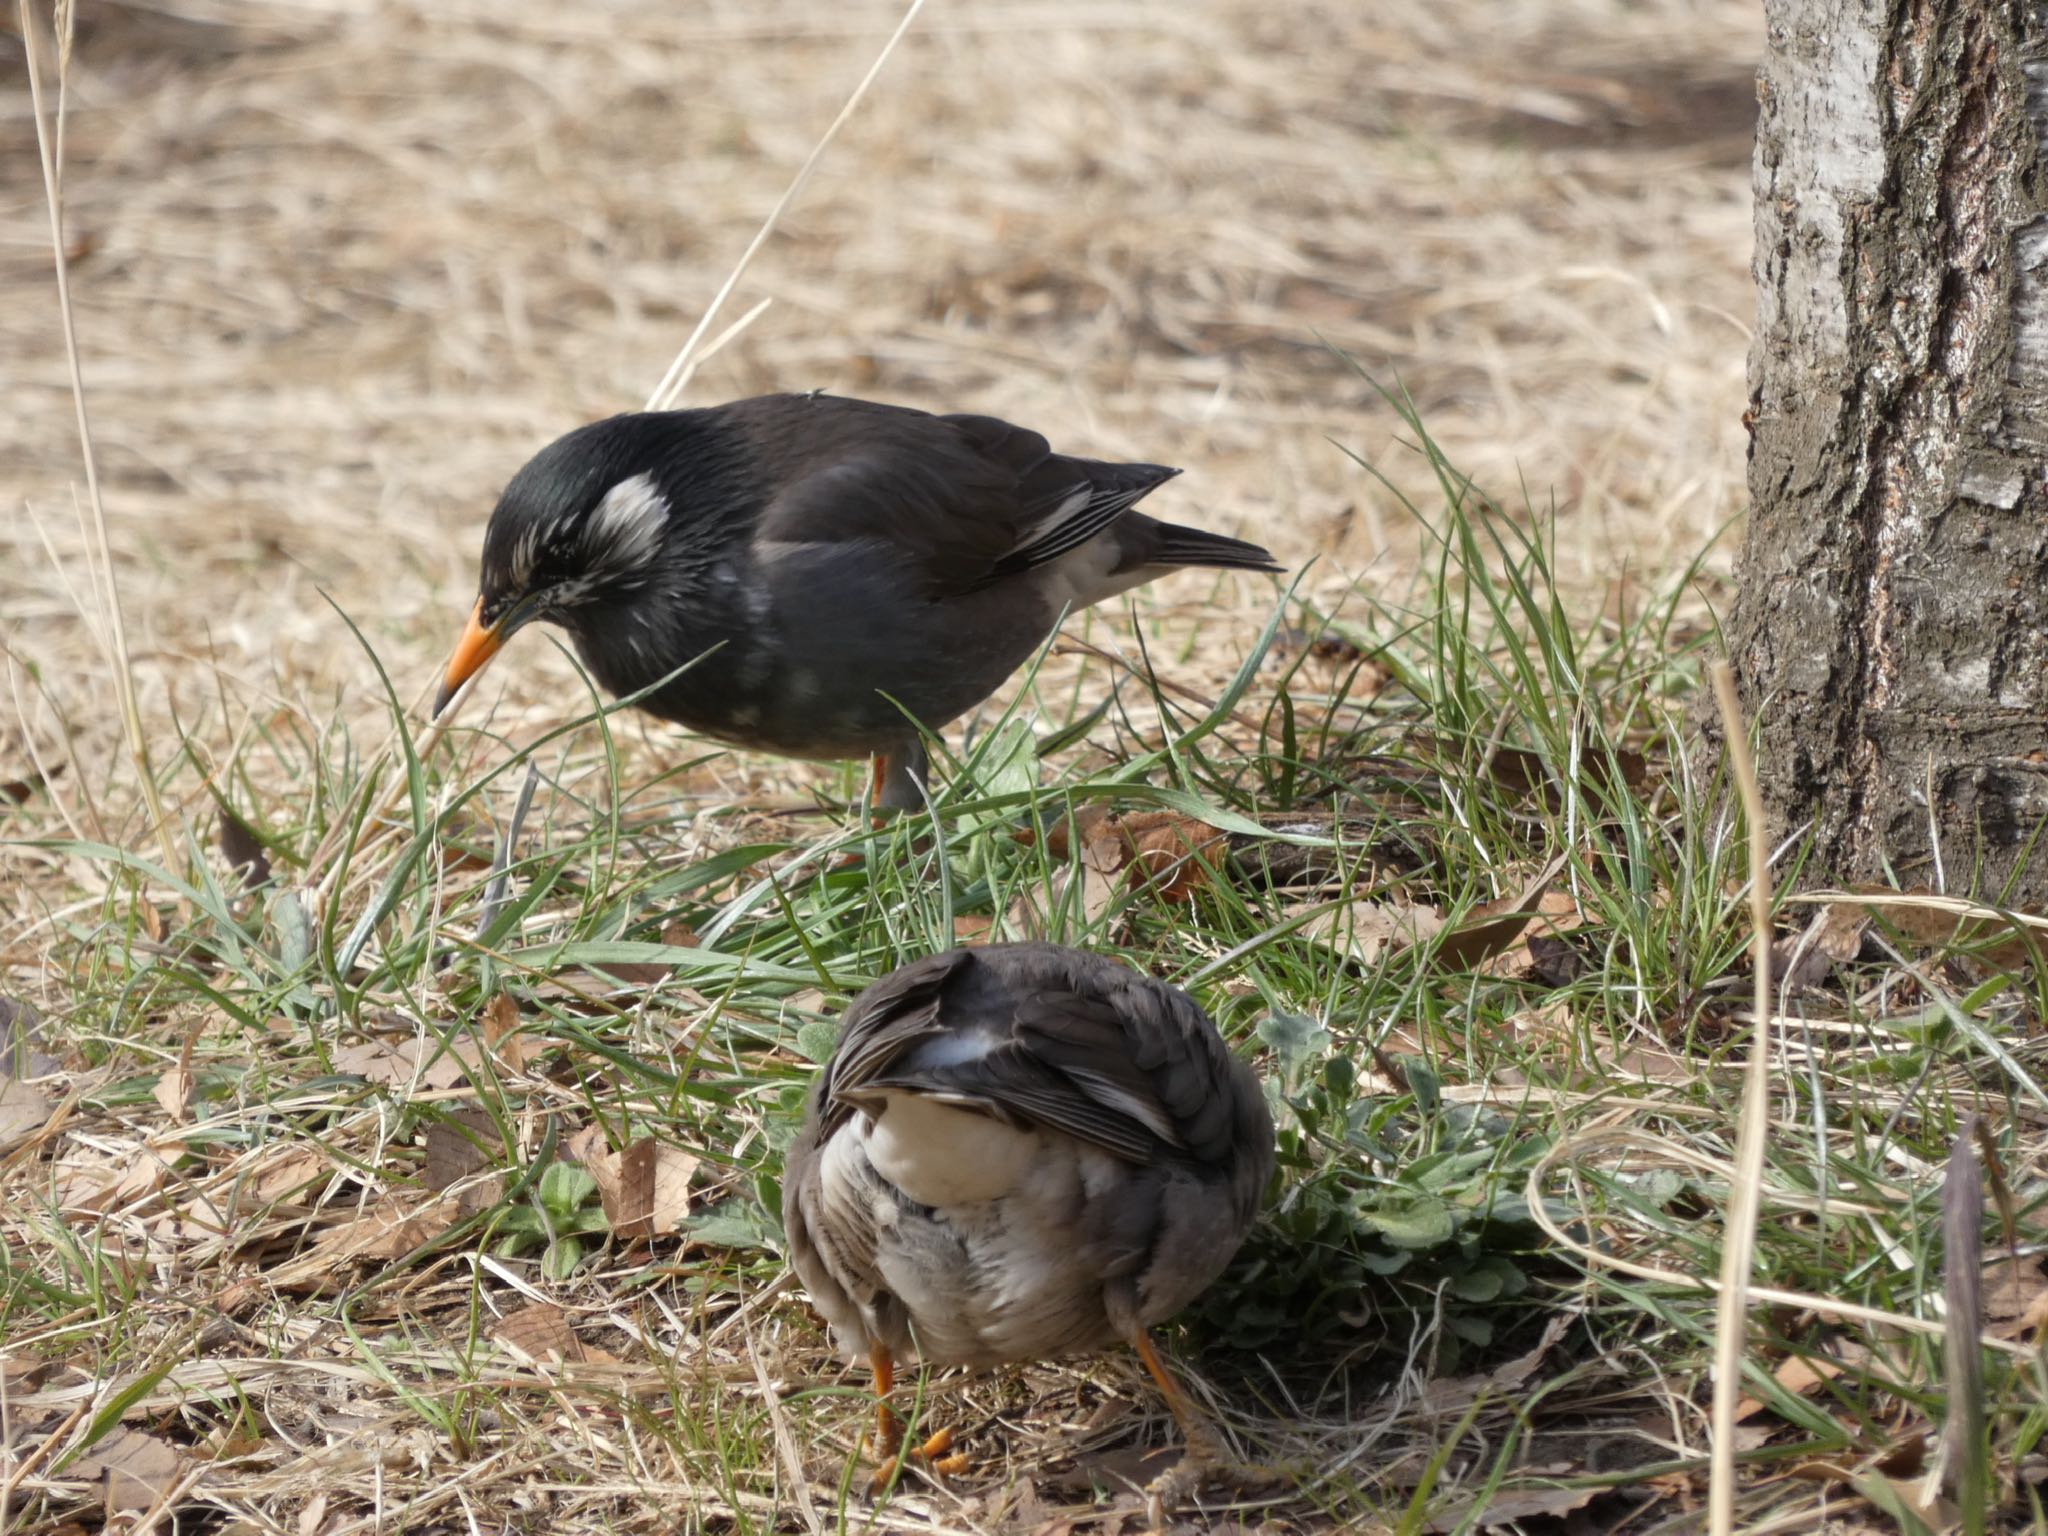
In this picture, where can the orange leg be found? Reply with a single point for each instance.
(937, 1452)
(1206, 1455)
(1199, 1433)
(879, 768)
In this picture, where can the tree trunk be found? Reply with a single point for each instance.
(1892, 617)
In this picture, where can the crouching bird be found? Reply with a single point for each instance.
(1019, 1152)
(847, 571)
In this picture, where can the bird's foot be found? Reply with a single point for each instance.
(936, 1455)
(1206, 1462)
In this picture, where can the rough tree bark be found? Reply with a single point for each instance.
(1892, 622)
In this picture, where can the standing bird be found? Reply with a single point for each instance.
(857, 570)
(1021, 1151)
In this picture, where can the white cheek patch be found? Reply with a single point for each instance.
(626, 529)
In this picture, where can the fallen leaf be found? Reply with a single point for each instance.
(1170, 851)
(1832, 938)
(1323, 645)
(126, 1177)
(279, 1171)
(1798, 1375)
(1368, 931)
(243, 850)
(1508, 1506)
(540, 1333)
(1553, 961)
(648, 1191)
(458, 1146)
(1518, 771)
(135, 1469)
(509, 1047)
(1172, 854)
(23, 1111)
(17, 791)
(586, 1145)
(389, 1229)
(1929, 920)
(1453, 1395)
(2015, 1297)
(673, 1170)
(973, 928)
(173, 1090)
(1492, 926)
(646, 973)
(21, 1041)
(1644, 1062)
(396, 1063)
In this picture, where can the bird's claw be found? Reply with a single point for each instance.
(1204, 1463)
(936, 1455)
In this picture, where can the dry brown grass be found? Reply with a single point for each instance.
(344, 267)
(341, 267)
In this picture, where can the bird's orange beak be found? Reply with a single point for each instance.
(473, 653)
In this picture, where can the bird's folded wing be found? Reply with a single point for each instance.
(891, 1017)
(958, 507)
(1061, 1063)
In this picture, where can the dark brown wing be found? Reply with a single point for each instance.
(1050, 1036)
(966, 499)
(895, 1015)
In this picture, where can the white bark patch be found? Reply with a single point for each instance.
(2023, 424)
(1821, 94)
(1992, 485)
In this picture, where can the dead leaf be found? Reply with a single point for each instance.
(389, 1229)
(2015, 1297)
(649, 973)
(1448, 1396)
(1174, 853)
(1371, 930)
(673, 1170)
(396, 1063)
(1324, 645)
(1797, 1374)
(1522, 772)
(1508, 1506)
(647, 1193)
(1553, 961)
(23, 1111)
(511, 1049)
(124, 1178)
(21, 1041)
(586, 1145)
(457, 1147)
(1170, 853)
(279, 1171)
(973, 928)
(17, 791)
(1645, 1062)
(173, 1089)
(1926, 919)
(243, 850)
(1832, 938)
(136, 1469)
(539, 1333)
(1492, 926)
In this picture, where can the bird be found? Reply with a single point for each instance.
(845, 575)
(1019, 1152)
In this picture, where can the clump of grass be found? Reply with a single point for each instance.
(1501, 1159)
